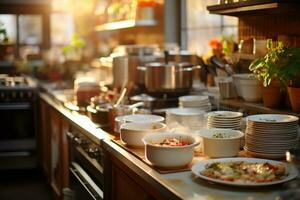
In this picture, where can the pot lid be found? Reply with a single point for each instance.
(170, 64)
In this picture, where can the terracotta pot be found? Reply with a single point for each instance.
(294, 95)
(271, 95)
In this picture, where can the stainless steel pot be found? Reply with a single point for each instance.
(171, 77)
(127, 60)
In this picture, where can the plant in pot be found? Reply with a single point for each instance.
(267, 69)
(290, 75)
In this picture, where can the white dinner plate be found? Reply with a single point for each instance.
(200, 166)
(264, 155)
(273, 118)
(225, 114)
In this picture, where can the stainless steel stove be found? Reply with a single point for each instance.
(18, 119)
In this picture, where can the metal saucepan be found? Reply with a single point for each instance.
(170, 77)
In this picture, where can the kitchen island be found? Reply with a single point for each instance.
(128, 177)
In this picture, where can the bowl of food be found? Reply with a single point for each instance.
(132, 133)
(169, 150)
(220, 143)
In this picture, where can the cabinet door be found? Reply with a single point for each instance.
(56, 171)
(123, 187)
(65, 154)
(44, 138)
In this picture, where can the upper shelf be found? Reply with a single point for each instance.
(125, 24)
(254, 7)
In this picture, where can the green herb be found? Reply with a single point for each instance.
(280, 62)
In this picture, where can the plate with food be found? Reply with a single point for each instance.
(244, 171)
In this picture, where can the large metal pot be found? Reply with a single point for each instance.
(171, 77)
(126, 61)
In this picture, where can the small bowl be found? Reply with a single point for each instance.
(170, 157)
(227, 146)
(132, 133)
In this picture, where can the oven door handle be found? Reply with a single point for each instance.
(15, 106)
(85, 180)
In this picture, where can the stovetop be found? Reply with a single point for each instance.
(16, 88)
(15, 82)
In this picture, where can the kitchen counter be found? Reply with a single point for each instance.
(180, 185)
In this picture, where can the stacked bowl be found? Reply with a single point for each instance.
(271, 135)
(224, 119)
(195, 101)
(185, 120)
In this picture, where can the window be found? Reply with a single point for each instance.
(62, 28)
(30, 29)
(201, 26)
(10, 25)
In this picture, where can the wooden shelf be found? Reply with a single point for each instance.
(254, 7)
(253, 108)
(125, 24)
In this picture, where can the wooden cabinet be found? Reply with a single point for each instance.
(124, 187)
(53, 143)
(44, 138)
(125, 180)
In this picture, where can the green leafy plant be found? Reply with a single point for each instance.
(268, 67)
(289, 72)
(74, 49)
(3, 34)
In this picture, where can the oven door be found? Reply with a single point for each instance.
(17, 126)
(82, 185)
(86, 173)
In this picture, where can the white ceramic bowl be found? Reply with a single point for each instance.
(247, 87)
(133, 132)
(221, 147)
(192, 118)
(169, 156)
(143, 118)
(139, 118)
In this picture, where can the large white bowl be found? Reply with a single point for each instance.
(133, 132)
(247, 87)
(143, 118)
(221, 147)
(139, 118)
(169, 156)
(191, 118)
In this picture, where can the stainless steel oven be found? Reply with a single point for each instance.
(18, 120)
(85, 168)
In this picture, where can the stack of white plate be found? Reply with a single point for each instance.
(271, 135)
(195, 101)
(224, 119)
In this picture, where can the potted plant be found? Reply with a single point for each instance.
(290, 75)
(267, 70)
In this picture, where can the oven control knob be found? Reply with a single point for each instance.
(21, 94)
(29, 95)
(94, 152)
(13, 95)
